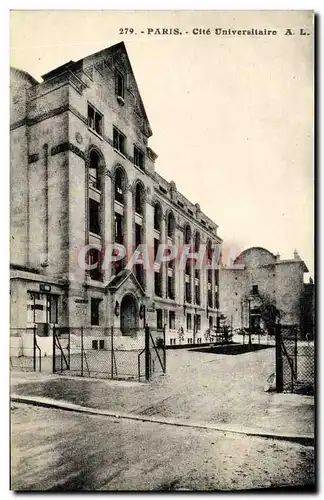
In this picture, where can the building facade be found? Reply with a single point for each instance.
(82, 174)
(258, 280)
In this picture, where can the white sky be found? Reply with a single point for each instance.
(232, 117)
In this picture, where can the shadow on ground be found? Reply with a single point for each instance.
(232, 349)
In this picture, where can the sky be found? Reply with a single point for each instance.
(232, 116)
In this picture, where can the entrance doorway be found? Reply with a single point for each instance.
(128, 315)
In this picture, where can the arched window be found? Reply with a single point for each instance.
(139, 199)
(94, 170)
(157, 216)
(119, 185)
(171, 225)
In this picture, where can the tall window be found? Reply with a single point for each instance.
(94, 170)
(171, 320)
(119, 140)
(255, 289)
(119, 84)
(95, 303)
(189, 321)
(157, 216)
(138, 158)
(157, 284)
(94, 119)
(139, 199)
(94, 259)
(159, 318)
(171, 225)
(119, 185)
(119, 228)
(94, 216)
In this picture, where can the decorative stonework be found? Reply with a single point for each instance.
(33, 158)
(67, 146)
(78, 138)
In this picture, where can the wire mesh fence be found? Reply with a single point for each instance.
(296, 361)
(99, 352)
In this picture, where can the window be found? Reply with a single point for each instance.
(157, 216)
(189, 322)
(119, 230)
(170, 288)
(255, 290)
(101, 344)
(156, 247)
(189, 340)
(138, 235)
(95, 344)
(94, 258)
(188, 292)
(210, 322)
(138, 158)
(159, 318)
(94, 120)
(157, 284)
(119, 184)
(181, 205)
(187, 235)
(171, 320)
(95, 311)
(42, 308)
(119, 84)
(119, 141)
(171, 225)
(190, 212)
(198, 322)
(94, 216)
(163, 190)
(94, 171)
(139, 198)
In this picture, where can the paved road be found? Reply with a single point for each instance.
(199, 386)
(60, 450)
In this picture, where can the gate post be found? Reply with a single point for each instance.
(147, 353)
(34, 346)
(112, 351)
(81, 351)
(54, 354)
(279, 374)
(164, 351)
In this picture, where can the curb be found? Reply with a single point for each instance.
(306, 439)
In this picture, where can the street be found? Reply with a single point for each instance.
(60, 450)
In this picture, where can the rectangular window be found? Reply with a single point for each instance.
(95, 311)
(170, 288)
(158, 284)
(94, 258)
(189, 321)
(119, 84)
(188, 292)
(156, 247)
(119, 229)
(94, 216)
(138, 235)
(197, 320)
(189, 341)
(101, 344)
(94, 120)
(42, 308)
(171, 320)
(159, 319)
(119, 140)
(95, 344)
(255, 290)
(138, 158)
(171, 341)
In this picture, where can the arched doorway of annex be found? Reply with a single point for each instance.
(129, 314)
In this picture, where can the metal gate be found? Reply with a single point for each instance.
(152, 359)
(61, 349)
(295, 361)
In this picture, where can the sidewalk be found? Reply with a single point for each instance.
(222, 391)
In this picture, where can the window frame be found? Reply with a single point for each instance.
(92, 126)
(138, 152)
(119, 135)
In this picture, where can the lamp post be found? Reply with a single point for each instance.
(250, 340)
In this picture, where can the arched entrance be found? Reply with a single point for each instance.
(128, 315)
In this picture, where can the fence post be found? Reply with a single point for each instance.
(112, 352)
(34, 346)
(69, 347)
(81, 351)
(279, 374)
(296, 353)
(164, 351)
(147, 353)
(54, 354)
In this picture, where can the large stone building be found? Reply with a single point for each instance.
(82, 173)
(259, 280)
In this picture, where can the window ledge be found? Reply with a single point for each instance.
(95, 133)
(120, 153)
(142, 170)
